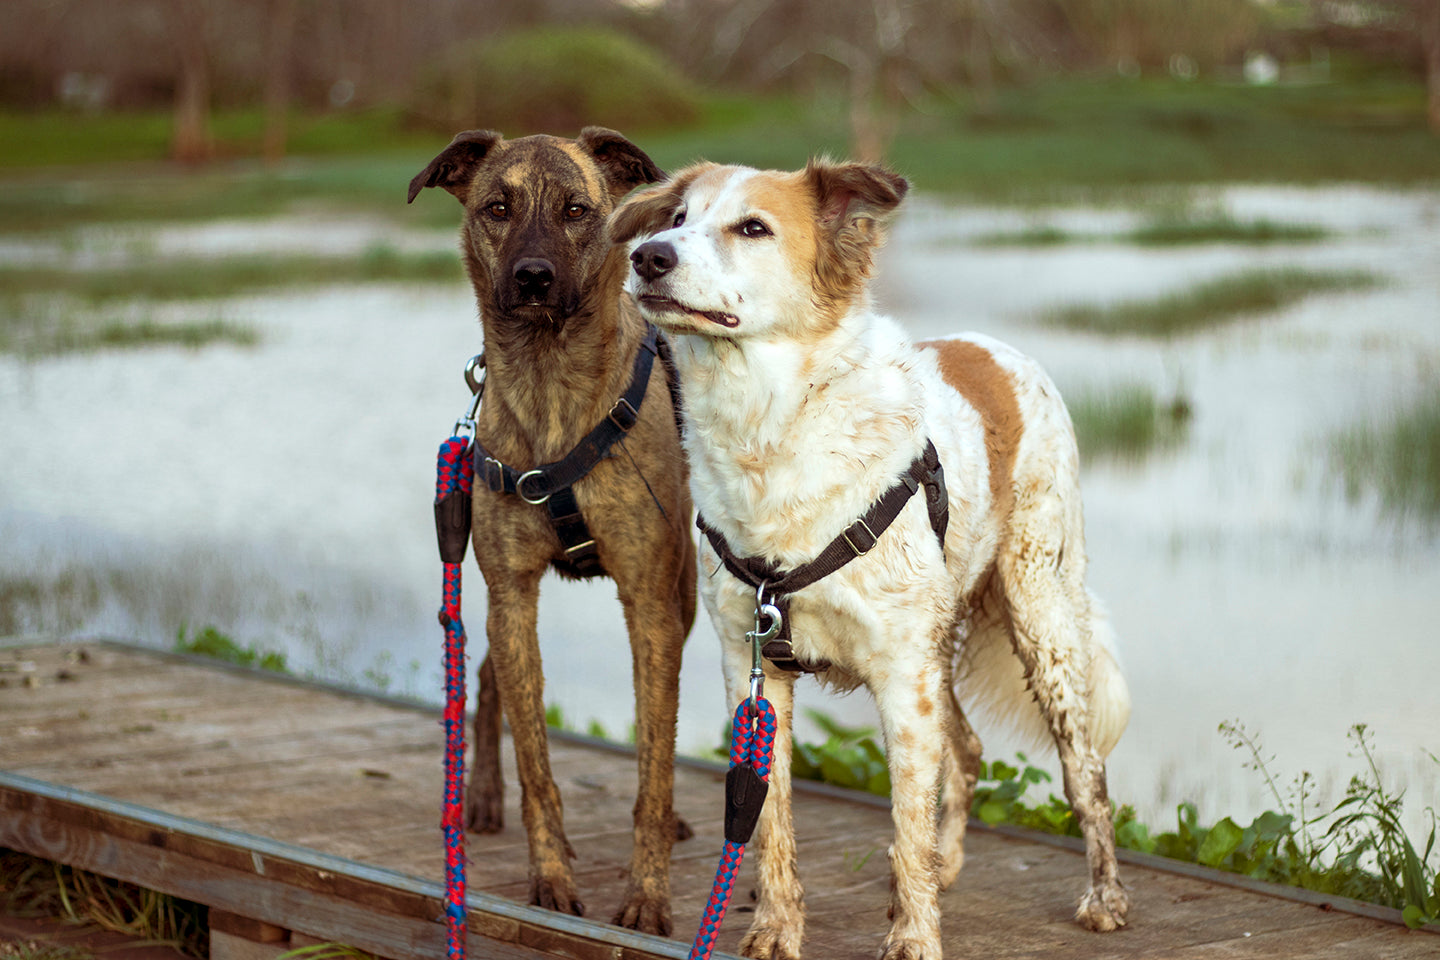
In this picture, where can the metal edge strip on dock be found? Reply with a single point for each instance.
(1074, 844)
(50, 833)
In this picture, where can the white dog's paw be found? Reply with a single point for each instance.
(1103, 908)
(772, 942)
(908, 949)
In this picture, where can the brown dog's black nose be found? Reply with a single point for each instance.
(654, 259)
(533, 276)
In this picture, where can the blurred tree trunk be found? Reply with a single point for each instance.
(1429, 16)
(277, 78)
(190, 139)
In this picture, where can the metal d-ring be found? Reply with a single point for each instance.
(520, 487)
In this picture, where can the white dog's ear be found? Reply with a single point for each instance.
(454, 167)
(846, 192)
(852, 200)
(652, 210)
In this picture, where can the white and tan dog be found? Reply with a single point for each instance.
(802, 407)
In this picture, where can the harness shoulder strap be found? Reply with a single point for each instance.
(552, 484)
(854, 541)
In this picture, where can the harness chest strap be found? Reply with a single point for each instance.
(854, 541)
(552, 484)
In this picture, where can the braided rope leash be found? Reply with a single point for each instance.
(752, 744)
(454, 481)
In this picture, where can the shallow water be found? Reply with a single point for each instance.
(283, 492)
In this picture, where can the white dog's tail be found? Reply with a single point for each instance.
(991, 684)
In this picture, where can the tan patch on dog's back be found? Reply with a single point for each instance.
(973, 372)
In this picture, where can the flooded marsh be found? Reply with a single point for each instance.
(280, 490)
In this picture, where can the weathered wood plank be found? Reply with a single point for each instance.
(300, 779)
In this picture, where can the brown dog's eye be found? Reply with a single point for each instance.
(754, 228)
(499, 211)
(679, 219)
(574, 211)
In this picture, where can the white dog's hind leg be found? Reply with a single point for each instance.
(962, 770)
(1051, 639)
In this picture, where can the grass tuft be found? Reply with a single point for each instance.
(210, 642)
(1401, 461)
(33, 887)
(1211, 302)
(1127, 423)
(206, 279)
(1223, 229)
(1167, 232)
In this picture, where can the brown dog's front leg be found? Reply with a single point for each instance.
(485, 795)
(515, 650)
(656, 637)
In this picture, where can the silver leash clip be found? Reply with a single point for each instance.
(475, 380)
(757, 638)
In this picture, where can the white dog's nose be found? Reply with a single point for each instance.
(654, 259)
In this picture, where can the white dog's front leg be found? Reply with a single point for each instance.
(779, 922)
(912, 709)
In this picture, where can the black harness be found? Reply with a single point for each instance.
(553, 484)
(854, 541)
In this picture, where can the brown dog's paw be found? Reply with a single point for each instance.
(645, 914)
(683, 831)
(771, 943)
(1103, 908)
(557, 895)
(484, 811)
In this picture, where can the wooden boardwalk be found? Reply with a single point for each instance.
(290, 806)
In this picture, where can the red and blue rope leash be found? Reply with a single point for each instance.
(752, 744)
(454, 480)
(752, 747)
(454, 483)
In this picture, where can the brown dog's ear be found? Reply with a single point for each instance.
(456, 164)
(849, 191)
(626, 166)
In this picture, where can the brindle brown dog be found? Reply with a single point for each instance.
(561, 339)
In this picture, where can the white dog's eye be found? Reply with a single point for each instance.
(679, 219)
(754, 228)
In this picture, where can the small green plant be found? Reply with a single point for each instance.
(1211, 302)
(1000, 798)
(210, 642)
(849, 757)
(1127, 422)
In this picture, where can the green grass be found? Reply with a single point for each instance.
(1168, 232)
(1400, 460)
(206, 279)
(1211, 302)
(1126, 423)
(1046, 141)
